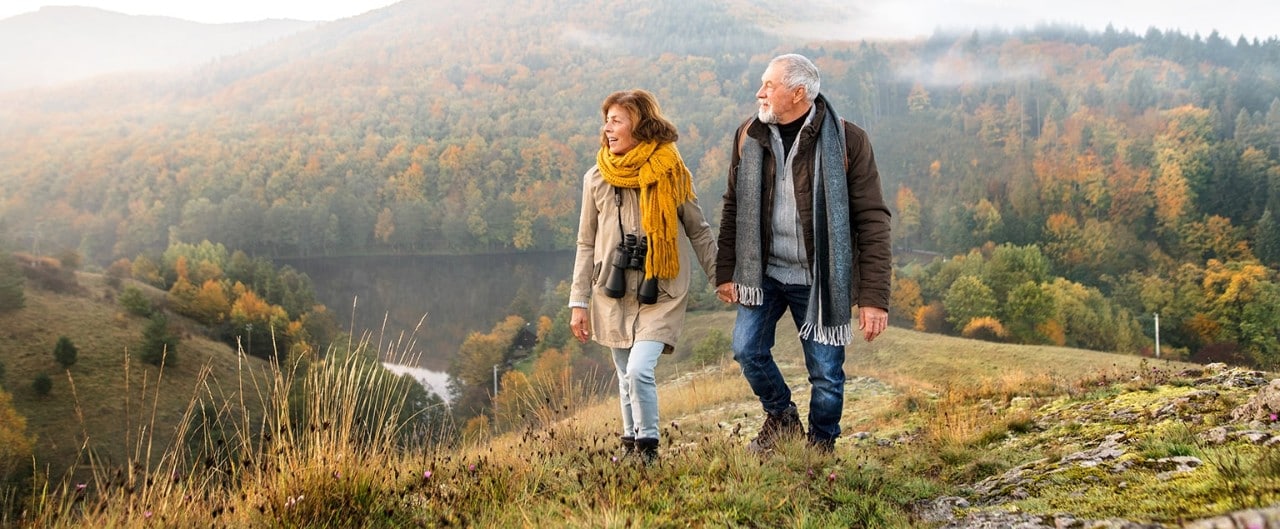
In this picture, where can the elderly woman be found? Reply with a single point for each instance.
(638, 204)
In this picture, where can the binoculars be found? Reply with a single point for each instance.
(630, 255)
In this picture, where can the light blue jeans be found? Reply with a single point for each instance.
(637, 388)
(753, 339)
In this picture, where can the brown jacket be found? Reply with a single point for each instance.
(620, 322)
(872, 257)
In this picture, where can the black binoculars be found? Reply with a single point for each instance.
(630, 255)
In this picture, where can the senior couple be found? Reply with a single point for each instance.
(804, 229)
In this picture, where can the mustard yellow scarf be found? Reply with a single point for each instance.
(664, 183)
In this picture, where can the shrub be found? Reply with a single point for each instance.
(65, 352)
(712, 348)
(42, 384)
(134, 301)
(984, 328)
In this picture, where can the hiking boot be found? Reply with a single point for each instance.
(777, 427)
(648, 448)
(821, 445)
(628, 444)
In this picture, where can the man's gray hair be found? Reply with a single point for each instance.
(798, 70)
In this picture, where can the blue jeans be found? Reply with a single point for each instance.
(753, 339)
(637, 388)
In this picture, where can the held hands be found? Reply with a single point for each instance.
(727, 293)
(872, 321)
(580, 324)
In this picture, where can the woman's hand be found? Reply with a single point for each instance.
(580, 324)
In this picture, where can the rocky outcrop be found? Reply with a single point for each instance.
(1123, 452)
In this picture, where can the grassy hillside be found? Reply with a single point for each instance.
(938, 431)
(105, 401)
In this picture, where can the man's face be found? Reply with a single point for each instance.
(778, 104)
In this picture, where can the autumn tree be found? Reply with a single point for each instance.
(16, 445)
(1028, 308)
(906, 218)
(904, 300)
(968, 298)
(1244, 301)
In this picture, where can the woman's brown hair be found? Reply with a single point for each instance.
(650, 124)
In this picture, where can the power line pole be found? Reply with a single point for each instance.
(1157, 335)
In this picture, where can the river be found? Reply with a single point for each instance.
(421, 308)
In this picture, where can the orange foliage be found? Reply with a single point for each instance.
(984, 328)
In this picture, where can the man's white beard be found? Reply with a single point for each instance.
(767, 116)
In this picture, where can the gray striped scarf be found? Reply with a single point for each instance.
(829, 316)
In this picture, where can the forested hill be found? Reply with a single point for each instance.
(419, 127)
(1147, 165)
(425, 128)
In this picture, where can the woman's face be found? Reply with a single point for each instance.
(618, 126)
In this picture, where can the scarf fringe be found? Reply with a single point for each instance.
(838, 335)
(750, 296)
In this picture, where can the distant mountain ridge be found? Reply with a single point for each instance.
(61, 44)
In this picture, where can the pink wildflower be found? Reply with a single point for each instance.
(426, 474)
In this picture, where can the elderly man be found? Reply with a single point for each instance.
(804, 228)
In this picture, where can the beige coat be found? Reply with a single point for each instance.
(618, 323)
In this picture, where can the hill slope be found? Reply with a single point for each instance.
(108, 400)
(989, 436)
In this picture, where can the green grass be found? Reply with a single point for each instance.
(939, 414)
(94, 406)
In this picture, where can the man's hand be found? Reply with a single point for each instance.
(872, 321)
(580, 324)
(727, 292)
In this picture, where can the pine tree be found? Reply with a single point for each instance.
(1267, 239)
(159, 347)
(42, 384)
(65, 352)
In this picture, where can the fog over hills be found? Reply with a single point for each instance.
(56, 45)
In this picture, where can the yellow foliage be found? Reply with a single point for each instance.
(15, 443)
(984, 328)
(1053, 331)
(930, 318)
(905, 299)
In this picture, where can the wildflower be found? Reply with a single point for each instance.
(426, 474)
(1273, 417)
(471, 467)
(147, 515)
(614, 459)
(81, 486)
(831, 478)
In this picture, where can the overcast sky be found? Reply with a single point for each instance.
(861, 18)
(213, 11)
